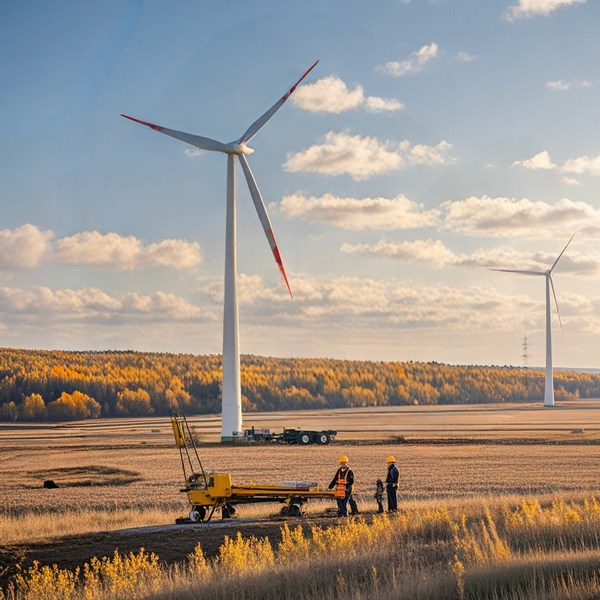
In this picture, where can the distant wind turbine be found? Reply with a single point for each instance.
(231, 422)
(549, 384)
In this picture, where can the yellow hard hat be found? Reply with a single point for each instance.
(390, 459)
(343, 459)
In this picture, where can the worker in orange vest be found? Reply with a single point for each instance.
(391, 484)
(343, 482)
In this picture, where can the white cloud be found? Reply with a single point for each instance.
(530, 8)
(438, 255)
(541, 160)
(570, 181)
(363, 157)
(23, 247)
(430, 155)
(429, 251)
(93, 248)
(193, 152)
(415, 63)
(562, 86)
(582, 165)
(92, 304)
(100, 250)
(509, 217)
(465, 57)
(375, 104)
(358, 214)
(331, 95)
(178, 254)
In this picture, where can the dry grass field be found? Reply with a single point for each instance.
(116, 474)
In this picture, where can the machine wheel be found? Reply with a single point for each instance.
(295, 510)
(228, 511)
(304, 438)
(197, 514)
(323, 438)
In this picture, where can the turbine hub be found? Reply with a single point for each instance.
(237, 148)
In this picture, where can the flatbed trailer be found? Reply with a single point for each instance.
(208, 492)
(302, 437)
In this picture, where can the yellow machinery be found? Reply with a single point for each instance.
(208, 492)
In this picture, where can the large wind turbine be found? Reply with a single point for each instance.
(549, 384)
(231, 422)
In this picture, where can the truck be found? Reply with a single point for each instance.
(303, 437)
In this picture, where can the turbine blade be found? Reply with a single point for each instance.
(258, 124)
(555, 300)
(203, 143)
(263, 216)
(519, 271)
(559, 256)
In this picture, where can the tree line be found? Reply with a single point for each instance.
(37, 385)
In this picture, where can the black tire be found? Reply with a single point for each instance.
(304, 438)
(228, 511)
(197, 514)
(295, 510)
(323, 438)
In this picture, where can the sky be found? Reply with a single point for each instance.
(434, 141)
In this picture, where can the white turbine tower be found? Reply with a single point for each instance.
(231, 422)
(549, 384)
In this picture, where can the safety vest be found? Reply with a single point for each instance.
(342, 482)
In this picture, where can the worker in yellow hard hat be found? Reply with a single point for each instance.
(343, 481)
(391, 484)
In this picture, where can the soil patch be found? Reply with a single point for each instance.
(85, 476)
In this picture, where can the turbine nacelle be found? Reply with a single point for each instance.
(238, 148)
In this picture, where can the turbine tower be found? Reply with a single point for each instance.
(231, 420)
(549, 383)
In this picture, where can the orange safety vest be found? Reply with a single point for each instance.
(340, 489)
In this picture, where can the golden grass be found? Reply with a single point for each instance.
(477, 550)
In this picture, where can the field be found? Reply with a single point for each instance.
(119, 479)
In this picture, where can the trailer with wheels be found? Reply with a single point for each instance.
(209, 492)
(302, 437)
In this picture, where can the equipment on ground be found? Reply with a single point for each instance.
(208, 492)
(302, 437)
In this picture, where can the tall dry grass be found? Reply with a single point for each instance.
(515, 549)
(40, 526)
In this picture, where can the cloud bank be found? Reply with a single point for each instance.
(342, 153)
(28, 246)
(358, 214)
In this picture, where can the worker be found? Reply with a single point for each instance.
(343, 481)
(391, 484)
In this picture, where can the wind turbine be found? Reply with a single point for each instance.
(231, 421)
(549, 384)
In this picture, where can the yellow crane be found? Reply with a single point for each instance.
(211, 491)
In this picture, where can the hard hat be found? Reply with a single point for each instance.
(390, 459)
(343, 459)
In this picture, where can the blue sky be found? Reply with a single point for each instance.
(433, 141)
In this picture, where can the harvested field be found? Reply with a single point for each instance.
(115, 474)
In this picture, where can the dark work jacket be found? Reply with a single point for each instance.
(349, 479)
(392, 475)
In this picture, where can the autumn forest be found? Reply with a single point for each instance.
(61, 386)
